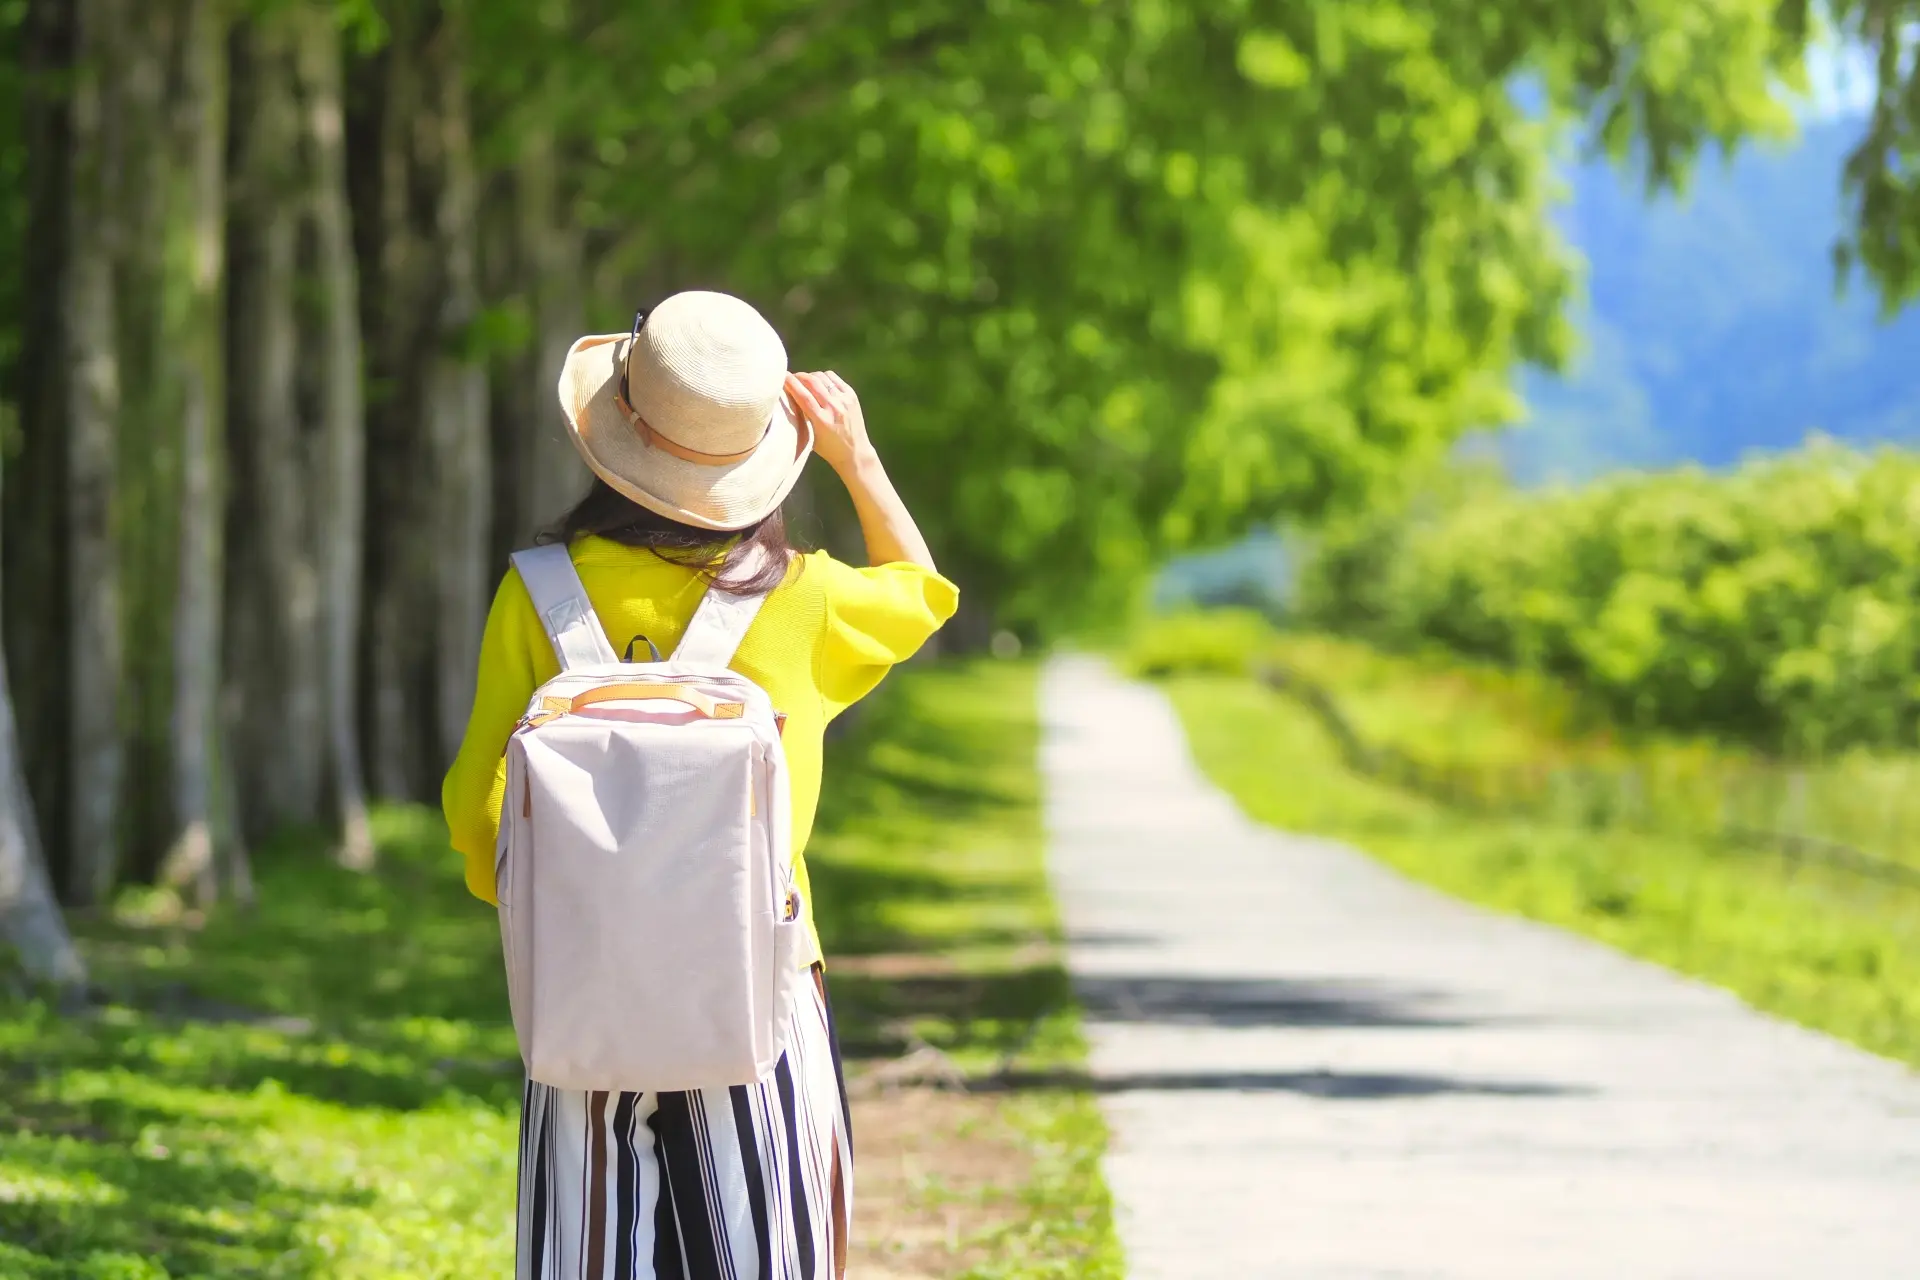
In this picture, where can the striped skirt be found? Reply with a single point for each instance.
(753, 1182)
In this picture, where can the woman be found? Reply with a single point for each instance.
(695, 433)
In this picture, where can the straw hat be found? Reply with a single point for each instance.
(706, 434)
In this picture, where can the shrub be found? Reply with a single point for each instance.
(1220, 641)
(1777, 604)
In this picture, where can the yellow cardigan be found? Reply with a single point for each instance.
(822, 641)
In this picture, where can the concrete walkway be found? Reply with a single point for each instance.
(1315, 1068)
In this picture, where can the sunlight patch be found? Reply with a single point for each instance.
(34, 1186)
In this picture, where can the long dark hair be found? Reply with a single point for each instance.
(723, 559)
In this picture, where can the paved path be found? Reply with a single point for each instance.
(1314, 1068)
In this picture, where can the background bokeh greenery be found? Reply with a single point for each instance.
(1116, 277)
(1774, 604)
(289, 286)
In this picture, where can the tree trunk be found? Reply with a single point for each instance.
(274, 637)
(342, 419)
(198, 215)
(230, 854)
(92, 678)
(30, 920)
(429, 485)
(532, 258)
(554, 476)
(456, 399)
(36, 578)
(391, 259)
(148, 247)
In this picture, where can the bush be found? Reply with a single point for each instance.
(1221, 642)
(1778, 604)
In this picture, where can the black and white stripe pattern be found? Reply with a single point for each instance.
(753, 1182)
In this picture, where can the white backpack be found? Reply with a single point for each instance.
(648, 913)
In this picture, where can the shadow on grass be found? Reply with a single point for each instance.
(139, 1128)
(207, 1116)
(112, 1193)
(864, 909)
(982, 1011)
(927, 852)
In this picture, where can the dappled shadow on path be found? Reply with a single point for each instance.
(1093, 939)
(151, 1132)
(1357, 1086)
(1267, 1002)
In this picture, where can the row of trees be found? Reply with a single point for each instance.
(1775, 605)
(292, 280)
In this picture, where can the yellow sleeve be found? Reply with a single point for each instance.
(471, 794)
(875, 618)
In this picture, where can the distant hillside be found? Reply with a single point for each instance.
(1712, 325)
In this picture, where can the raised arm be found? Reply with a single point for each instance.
(840, 438)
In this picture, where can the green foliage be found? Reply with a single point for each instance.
(1122, 276)
(1117, 277)
(1453, 712)
(1820, 947)
(1224, 642)
(1774, 604)
(327, 1086)
(1496, 739)
(1883, 173)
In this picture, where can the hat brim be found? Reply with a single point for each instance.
(725, 498)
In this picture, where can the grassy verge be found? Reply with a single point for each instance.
(933, 904)
(327, 1087)
(1818, 946)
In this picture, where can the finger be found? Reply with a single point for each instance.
(838, 392)
(804, 397)
(824, 392)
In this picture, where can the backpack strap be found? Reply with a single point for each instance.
(560, 600)
(718, 626)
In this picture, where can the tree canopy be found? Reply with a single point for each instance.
(1115, 278)
(1883, 173)
(1124, 275)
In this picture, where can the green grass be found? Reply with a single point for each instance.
(1824, 948)
(1514, 738)
(327, 1087)
(324, 1087)
(1517, 729)
(931, 850)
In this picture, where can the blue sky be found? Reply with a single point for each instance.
(1842, 81)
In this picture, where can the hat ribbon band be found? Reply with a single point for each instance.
(654, 440)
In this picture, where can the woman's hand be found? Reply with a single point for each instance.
(840, 437)
(833, 410)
